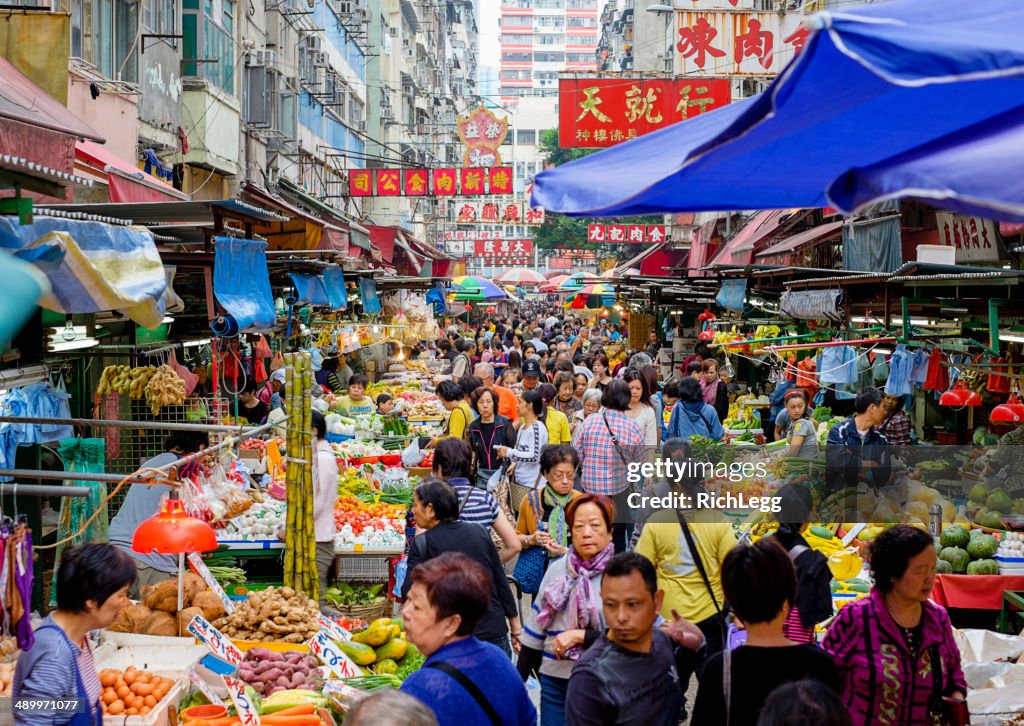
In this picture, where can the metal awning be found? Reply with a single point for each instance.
(126, 183)
(167, 213)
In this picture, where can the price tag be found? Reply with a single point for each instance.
(333, 630)
(243, 704)
(340, 664)
(212, 638)
(203, 686)
(200, 568)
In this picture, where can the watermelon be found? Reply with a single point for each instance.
(957, 558)
(954, 536)
(983, 547)
(943, 568)
(983, 567)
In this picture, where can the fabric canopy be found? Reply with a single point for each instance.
(126, 183)
(873, 84)
(92, 266)
(309, 288)
(798, 240)
(23, 286)
(334, 284)
(737, 251)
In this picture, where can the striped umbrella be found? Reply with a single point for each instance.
(471, 287)
(592, 296)
(521, 277)
(577, 281)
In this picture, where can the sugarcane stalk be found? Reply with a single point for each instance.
(291, 481)
(313, 582)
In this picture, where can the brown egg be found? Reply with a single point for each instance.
(132, 711)
(123, 692)
(109, 696)
(150, 701)
(142, 689)
(107, 679)
(144, 710)
(115, 708)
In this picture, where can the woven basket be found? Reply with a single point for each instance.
(369, 613)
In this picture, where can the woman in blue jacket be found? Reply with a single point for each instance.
(692, 415)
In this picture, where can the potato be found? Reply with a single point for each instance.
(160, 623)
(210, 604)
(162, 596)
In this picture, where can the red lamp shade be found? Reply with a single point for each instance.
(1010, 412)
(959, 396)
(707, 334)
(172, 531)
(706, 315)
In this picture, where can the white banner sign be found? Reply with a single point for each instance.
(736, 43)
(975, 238)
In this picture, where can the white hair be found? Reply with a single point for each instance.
(592, 394)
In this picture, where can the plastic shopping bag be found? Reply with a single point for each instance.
(412, 456)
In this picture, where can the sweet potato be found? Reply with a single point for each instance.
(193, 585)
(162, 596)
(210, 604)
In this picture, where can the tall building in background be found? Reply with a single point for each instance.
(539, 38)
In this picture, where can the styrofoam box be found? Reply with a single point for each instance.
(937, 254)
(162, 656)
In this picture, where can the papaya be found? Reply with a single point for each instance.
(394, 649)
(386, 666)
(377, 634)
(361, 653)
(396, 631)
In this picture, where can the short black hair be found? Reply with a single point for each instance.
(443, 345)
(329, 363)
(384, 398)
(92, 571)
(758, 580)
(794, 504)
(803, 702)
(867, 398)
(633, 374)
(450, 391)
(249, 386)
(671, 390)
(464, 344)
(689, 390)
(892, 551)
(442, 496)
(564, 366)
(470, 383)
(548, 392)
(358, 380)
(694, 366)
(318, 422)
(453, 458)
(625, 564)
(188, 441)
(616, 396)
(556, 454)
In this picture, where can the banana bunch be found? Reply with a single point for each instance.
(114, 379)
(139, 379)
(165, 388)
(325, 338)
(762, 332)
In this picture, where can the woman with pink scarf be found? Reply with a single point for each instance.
(713, 388)
(566, 616)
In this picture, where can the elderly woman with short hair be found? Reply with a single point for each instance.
(591, 405)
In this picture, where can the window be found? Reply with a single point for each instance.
(209, 35)
(516, 21)
(546, 75)
(549, 57)
(520, 170)
(581, 22)
(160, 16)
(550, 40)
(582, 40)
(516, 39)
(513, 91)
(579, 57)
(515, 75)
(526, 136)
(103, 33)
(516, 57)
(549, 4)
(582, 4)
(550, 21)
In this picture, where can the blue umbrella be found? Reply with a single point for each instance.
(871, 84)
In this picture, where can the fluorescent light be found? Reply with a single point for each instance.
(882, 351)
(1011, 337)
(195, 343)
(74, 344)
(167, 320)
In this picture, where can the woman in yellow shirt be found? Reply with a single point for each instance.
(556, 421)
(454, 401)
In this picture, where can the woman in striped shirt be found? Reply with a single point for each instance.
(92, 588)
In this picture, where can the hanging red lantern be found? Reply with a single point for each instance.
(1010, 412)
(707, 335)
(706, 315)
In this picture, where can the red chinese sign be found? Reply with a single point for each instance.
(501, 179)
(503, 248)
(388, 182)
(736, 43)
(599, 112)
(483, 133)
(415, 182)
(470, 212)
(472, 181)
(974, 238)
(360, 183)
(444, 181)
(561, 263)
(626, 233)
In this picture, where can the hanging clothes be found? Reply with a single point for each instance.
(22, 575)
(838, 365)
(44, 401)
(11, 434)
(806, 376)
(996, 383)
(937, 378)
(879, 370)
(919, 367)
(900, 364)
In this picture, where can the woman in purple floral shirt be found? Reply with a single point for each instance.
(886, 645)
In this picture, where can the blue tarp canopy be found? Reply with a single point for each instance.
(875, 93)
(241, 282)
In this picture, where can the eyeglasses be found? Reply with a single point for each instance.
(555, 476)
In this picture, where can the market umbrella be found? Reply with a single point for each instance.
(598, 295)
(553, 282)
(471, 287)
(521, 277)
(616, 272)
(908, 77)
(575, 282)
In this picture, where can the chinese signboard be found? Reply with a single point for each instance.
(498, 213)
(482, 132)
(975, 238)
(626, 233)
(561, 263)
(736, 43)
(599, 112)
(503, 248)
(422, 182)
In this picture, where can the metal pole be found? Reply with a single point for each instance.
(44, 490)
(98, 422)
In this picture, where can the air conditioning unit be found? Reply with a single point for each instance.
(393, 32)
(313, 42)
(367, 16)
(262, 58)
(386, 113)
(361, 124)
(410, 53)
(320, 60)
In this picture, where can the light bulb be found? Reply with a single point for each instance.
(376, 329)
(69, 331)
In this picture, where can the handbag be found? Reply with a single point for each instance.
(276, 362)
(529, 570)
(700, 568)
(943, 710)
(262, 348)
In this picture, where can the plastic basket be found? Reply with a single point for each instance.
(338, 438)
(369, 613)
(363, 568)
